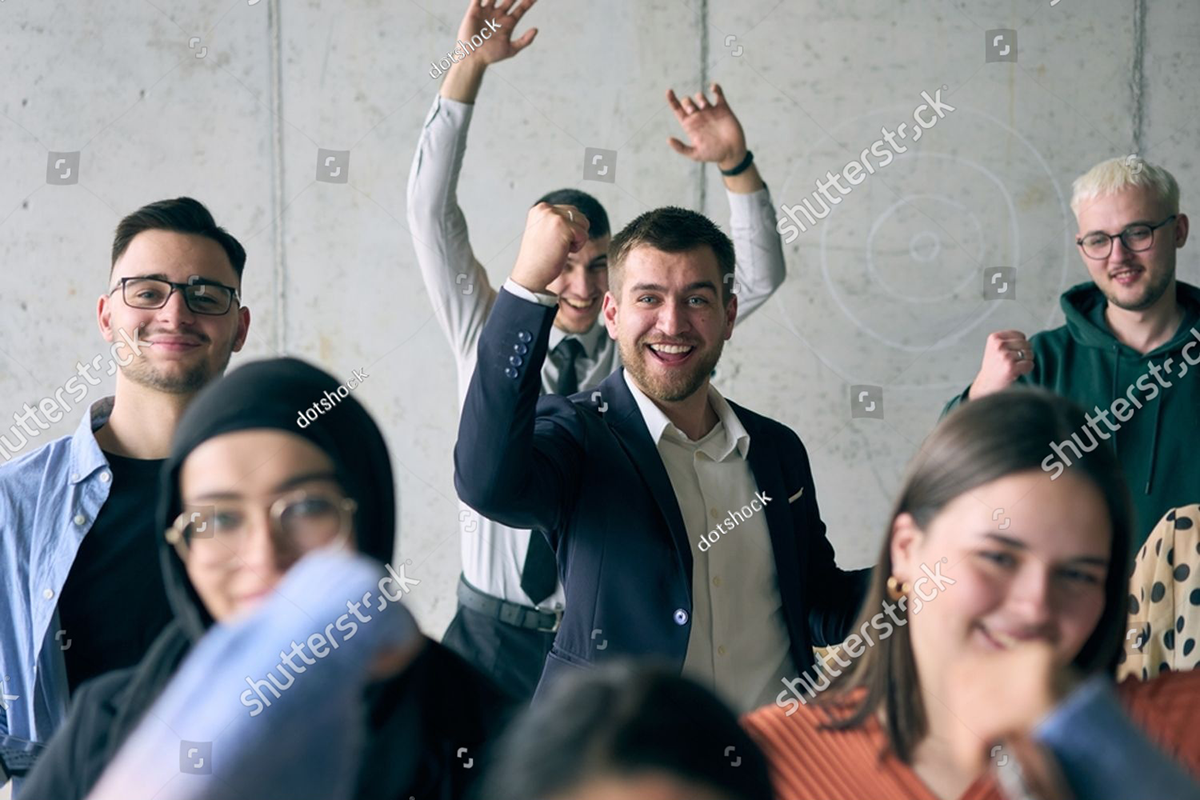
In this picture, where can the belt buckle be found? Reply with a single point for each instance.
(558, 615)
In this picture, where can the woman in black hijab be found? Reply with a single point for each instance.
(240, 438)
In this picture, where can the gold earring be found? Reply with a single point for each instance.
(896, 589)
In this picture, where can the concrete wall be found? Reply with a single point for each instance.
(885, 292)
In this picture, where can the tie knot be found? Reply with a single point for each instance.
(570, 349)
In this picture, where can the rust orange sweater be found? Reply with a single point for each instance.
(809, 762)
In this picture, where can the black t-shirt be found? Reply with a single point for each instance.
(114, 603)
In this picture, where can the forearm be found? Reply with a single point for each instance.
(463, 80)
(456, 282)
(746, 182)
(1102, 752)
(498, 471)
(761, 269)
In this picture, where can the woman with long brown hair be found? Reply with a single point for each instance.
(997, 610)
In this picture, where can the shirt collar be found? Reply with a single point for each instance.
(589, 338)
(86, 456)
(657, 423)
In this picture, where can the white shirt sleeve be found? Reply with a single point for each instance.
(758, 249)
(457, 283)
(512, 287)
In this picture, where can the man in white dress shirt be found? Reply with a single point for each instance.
(510, 598)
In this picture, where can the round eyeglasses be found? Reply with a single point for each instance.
(214, 535)
(1136, 239)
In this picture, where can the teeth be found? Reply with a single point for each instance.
(1004, 639)
(574, 304)
(671, 349)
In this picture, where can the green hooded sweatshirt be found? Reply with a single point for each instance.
(1146, 406)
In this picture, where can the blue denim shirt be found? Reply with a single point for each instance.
(49, 499)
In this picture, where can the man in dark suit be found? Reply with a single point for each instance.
(685, 528)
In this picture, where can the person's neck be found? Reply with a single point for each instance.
(933, 758)
(142, 422)
(693, 415)
(1148, 328)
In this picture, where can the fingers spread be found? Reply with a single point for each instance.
(519, 11)
(673, 102)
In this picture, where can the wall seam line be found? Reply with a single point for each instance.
(278, 268)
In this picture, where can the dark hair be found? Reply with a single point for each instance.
(672, 230)
(590, 206)
(625, 719)
(980, 442)
(181, 215)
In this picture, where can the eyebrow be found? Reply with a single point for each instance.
(290, 483)
(691, 287)
(1127, 227)
(1017, 544)
(162, 276)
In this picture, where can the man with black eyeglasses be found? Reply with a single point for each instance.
(1130, 342)
(83, 591)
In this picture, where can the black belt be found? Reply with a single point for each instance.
(510, 613)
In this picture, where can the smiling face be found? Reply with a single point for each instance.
(1133, 280)
(1036, 570)
(236, 477)
(581, 287)
(669, 319)
(182, 350)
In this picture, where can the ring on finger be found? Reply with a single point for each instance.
(1020, 355)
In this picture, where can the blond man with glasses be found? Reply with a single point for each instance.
(1131, 341)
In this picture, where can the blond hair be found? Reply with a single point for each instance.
(1115, 174)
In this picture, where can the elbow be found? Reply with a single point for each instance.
(484, 496)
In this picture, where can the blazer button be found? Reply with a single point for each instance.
(525, 336)
(520, 349)
(516, 361)
(510, 372)
(681, 617)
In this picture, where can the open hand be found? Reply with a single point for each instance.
(500, 18)
(715, 133)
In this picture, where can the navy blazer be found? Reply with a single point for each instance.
(585, 472)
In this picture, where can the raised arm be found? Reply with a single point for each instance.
(1008, 357)
(517, 460)
(716, 137)
(457, 283)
